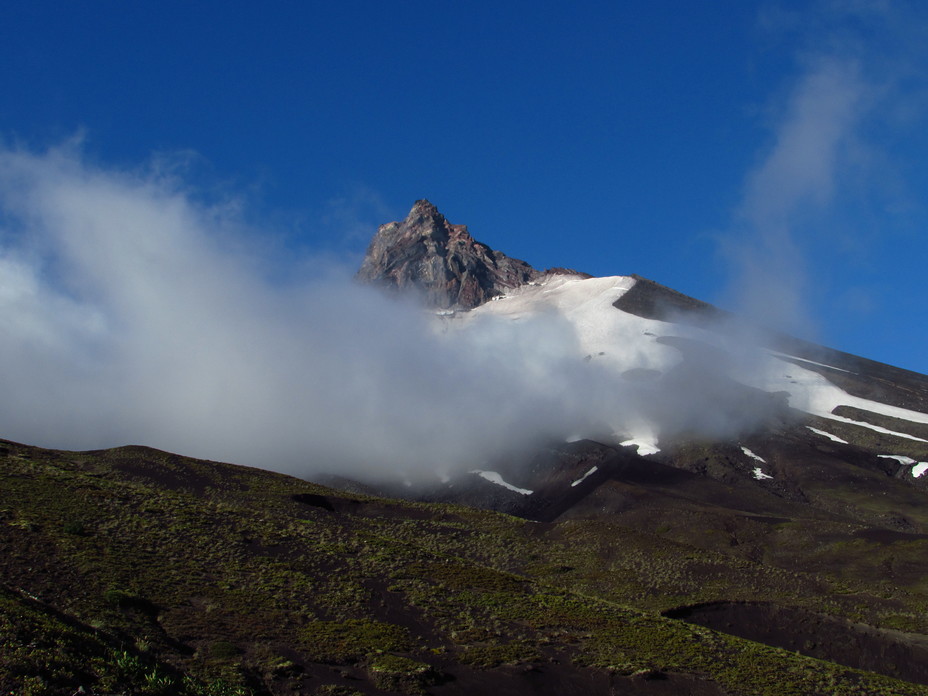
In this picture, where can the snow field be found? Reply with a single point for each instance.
(618, 342)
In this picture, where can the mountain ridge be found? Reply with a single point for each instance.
(442, 262)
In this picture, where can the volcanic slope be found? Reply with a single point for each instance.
(746, 517)
(136, 571)
(727, 438)
(670, 376)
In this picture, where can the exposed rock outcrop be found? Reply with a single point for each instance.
(441, 261)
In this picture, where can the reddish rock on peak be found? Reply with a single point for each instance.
(442, 261)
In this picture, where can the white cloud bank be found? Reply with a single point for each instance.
(129, 313)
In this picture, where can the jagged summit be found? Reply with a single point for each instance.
(442, 261)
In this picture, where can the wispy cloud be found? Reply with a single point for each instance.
(829, 153)
(792, 185)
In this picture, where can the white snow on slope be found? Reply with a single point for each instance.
(584, 477)
(494, 477)
(618, 342)
(758, 473)
(828, 435)
(901, 458)
(877, 428)
(917, 470)
(625, 340)
(810, 362)
(811, 392)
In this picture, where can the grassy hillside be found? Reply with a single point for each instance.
(135, 571)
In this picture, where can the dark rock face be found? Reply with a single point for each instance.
(442, 261)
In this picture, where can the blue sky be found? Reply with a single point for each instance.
(769, 157)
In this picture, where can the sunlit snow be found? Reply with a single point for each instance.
(877, 428)
(623, 342)
(917, 470)
(828, 435)
(902, 459)
(760, 475)
(626, 341)
(813, 393)
(753, 456)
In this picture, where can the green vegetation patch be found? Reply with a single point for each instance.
(400, 674)
(495, 654)
(352, 640)
(457, 576)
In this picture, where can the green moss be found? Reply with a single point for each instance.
(351, 640)
(224, 558)
(223, 650)
(493, 655)
(400, 674)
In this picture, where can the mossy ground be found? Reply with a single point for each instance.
(136, 571)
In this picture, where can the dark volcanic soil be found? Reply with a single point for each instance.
(566, 680)
(892, 653)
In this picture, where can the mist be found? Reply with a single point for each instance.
(134, 314)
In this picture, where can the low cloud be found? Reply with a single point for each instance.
(130, 313)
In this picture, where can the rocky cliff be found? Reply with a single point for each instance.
(448, 267)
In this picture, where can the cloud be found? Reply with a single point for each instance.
(131, 312)
(832, 157)
(793, 183)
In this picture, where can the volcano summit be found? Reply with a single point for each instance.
(442, 262)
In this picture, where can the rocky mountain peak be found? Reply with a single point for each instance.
(424, 211)
(441, 261)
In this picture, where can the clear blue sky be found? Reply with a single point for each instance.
(685, 141)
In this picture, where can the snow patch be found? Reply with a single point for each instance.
(811, 392)
(622, 342)
(828, 435)
(810, 362)
(584, 477)
(902, 459)
(494, 477)
(877, 428)
(618, 340)
(753, 456)
(917, 470)
(760, 475)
